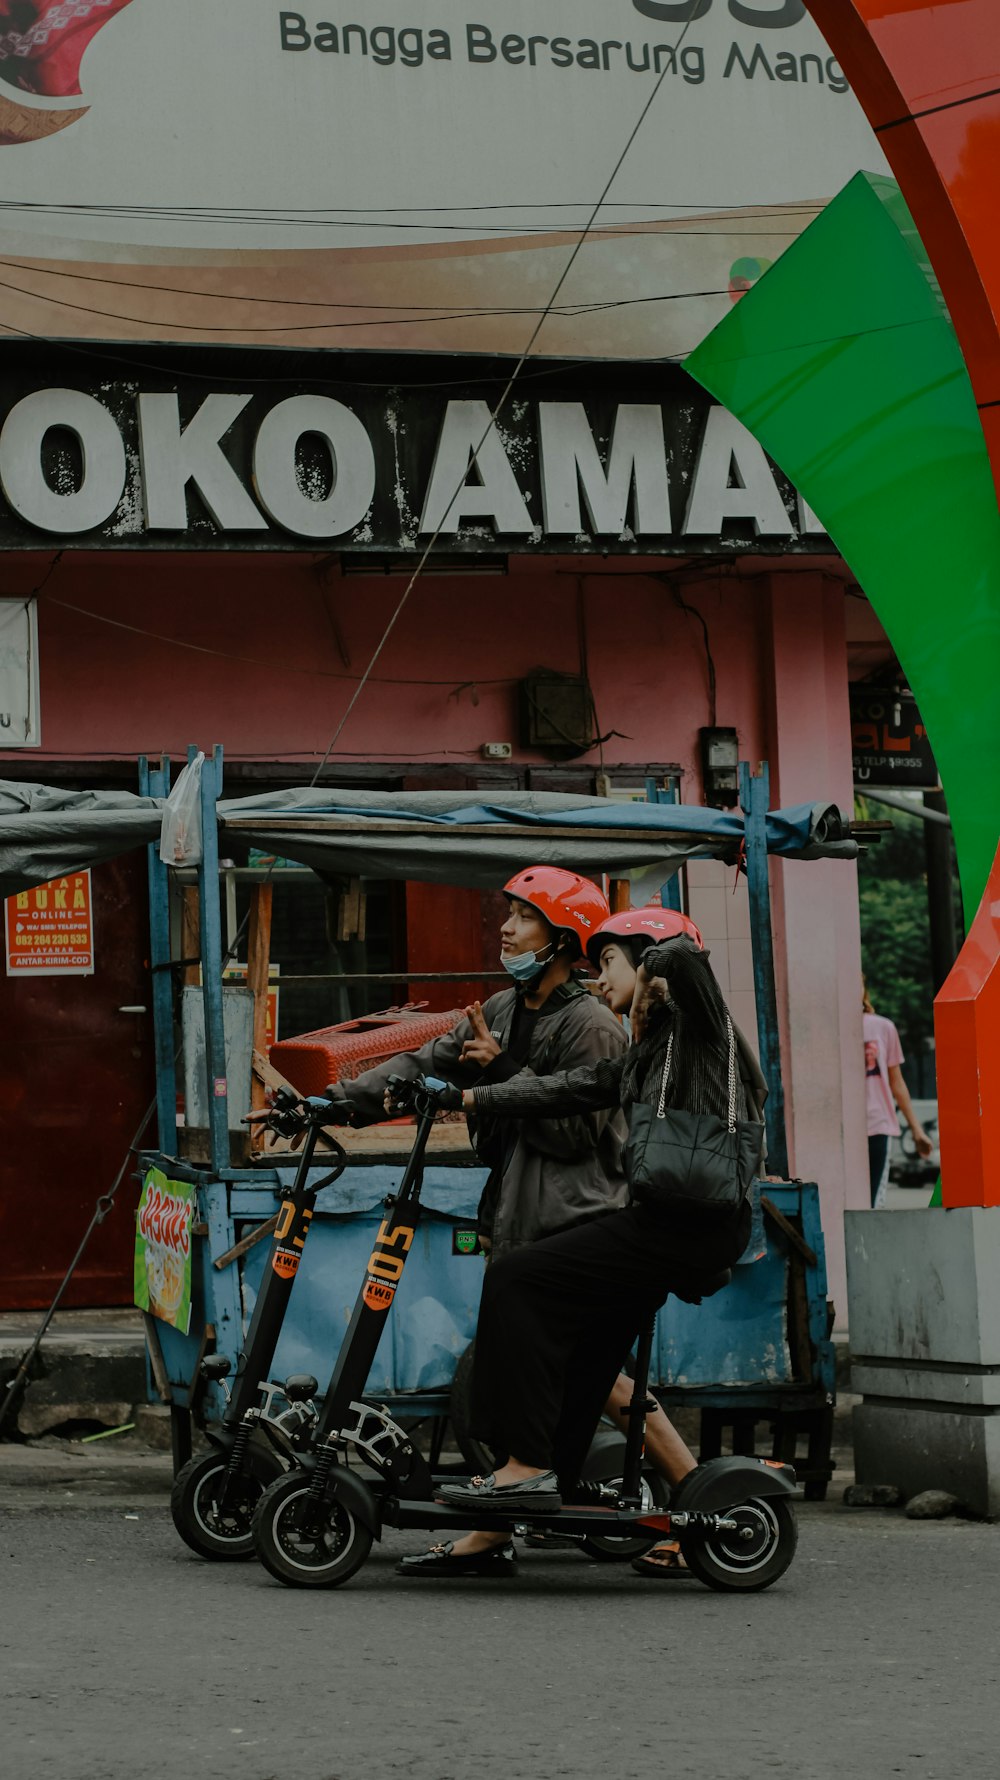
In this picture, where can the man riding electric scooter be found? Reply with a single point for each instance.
(545, 1174)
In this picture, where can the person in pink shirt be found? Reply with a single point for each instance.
(885, 1089)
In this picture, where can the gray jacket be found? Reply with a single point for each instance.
(552, 1172)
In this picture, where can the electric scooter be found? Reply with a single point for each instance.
(214, 1495)
(314, 1526)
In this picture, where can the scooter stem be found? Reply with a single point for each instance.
(637, 1411)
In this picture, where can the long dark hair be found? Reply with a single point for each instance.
(696, 1014)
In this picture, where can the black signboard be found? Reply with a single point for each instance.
(888, 740)
(208, 448)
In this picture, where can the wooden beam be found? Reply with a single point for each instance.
(190, 932)
(258, 974)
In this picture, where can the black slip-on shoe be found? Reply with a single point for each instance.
(530, 1495)
(441, 1561)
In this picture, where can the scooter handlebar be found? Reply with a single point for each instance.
(290, 1114)
(417, 1093)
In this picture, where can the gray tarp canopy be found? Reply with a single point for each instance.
(454, 837)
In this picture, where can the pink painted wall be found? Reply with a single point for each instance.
(263, 672)
(815, 908)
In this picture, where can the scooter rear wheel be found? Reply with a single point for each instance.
(223, 1534)
(301, 1559)
(751, 1558)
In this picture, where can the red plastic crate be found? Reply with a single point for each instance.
(339, 1053)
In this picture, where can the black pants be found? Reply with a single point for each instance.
(878, 1149)
(558, 1318)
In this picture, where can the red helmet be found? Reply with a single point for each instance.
(651, 925)
(569, 903)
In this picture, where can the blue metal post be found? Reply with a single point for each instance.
(670, 892)
(155, 782)
(211, 964)
(755, 796)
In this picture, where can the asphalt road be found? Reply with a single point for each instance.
(124, 1656)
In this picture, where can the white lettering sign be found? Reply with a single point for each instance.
(320, 468)
(494, 496)
(62, 510)
(733, 480)
(352, 462)
(571, 465)
(172, 457)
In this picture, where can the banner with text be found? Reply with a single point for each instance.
(382, 174)
(50, 929)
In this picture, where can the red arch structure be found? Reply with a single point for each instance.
(927, 73)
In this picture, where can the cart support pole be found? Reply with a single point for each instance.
(155, 782)
(211, 964)
(670, 892)
(258, 979)
(755, 797)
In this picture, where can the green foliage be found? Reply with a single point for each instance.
(895, 931)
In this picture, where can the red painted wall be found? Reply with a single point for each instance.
(148, 653)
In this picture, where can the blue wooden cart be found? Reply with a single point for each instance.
(758, 1356)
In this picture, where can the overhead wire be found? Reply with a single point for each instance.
(264, 213)
(573, 313)
(270, 664)
(434, 310)
(504, 398)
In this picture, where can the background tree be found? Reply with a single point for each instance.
(895, 930)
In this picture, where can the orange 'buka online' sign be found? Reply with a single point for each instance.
(50, 928)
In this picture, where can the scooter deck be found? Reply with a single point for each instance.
(441, 1517)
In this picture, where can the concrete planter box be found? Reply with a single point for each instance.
(924, 1311)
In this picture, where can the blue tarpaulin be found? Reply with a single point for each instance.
(451, 837)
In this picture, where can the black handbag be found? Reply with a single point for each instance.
(677, 1160)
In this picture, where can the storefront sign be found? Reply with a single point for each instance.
(611, 459)
(411, 174)
(888, 740)
(50, 929)
(163, 1249)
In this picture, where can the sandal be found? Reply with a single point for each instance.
(663, 1560)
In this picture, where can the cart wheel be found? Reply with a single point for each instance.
(815, 1491)
(752, 1557)
(212, 1531)
(604, 1548)
(301, 1559)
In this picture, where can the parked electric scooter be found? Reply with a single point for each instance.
(314, 1526)
(214, 1495)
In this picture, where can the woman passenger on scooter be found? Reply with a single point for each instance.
(558, 1317)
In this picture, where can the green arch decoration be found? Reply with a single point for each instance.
(844, 363)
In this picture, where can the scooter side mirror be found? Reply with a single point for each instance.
(216, 1366)
(300, 1387)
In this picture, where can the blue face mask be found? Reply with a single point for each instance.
(526, 966)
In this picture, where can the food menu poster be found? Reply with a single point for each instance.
(50, 928)
(163, 1249)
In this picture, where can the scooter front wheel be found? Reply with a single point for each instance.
(298, 1556)
(752, 1556)
(214, 1530)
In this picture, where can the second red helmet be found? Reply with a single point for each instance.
(568, 902)
(650, 925)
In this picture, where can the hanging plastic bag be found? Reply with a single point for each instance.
(180, 831)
